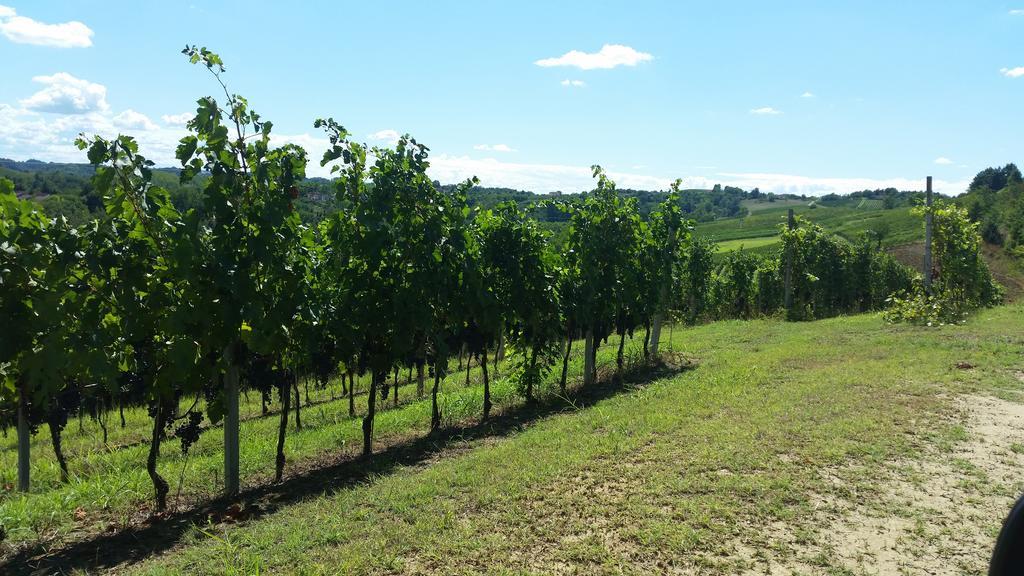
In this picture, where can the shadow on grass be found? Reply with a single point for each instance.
(275, 412)
(135, 543)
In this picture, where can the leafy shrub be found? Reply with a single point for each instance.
(991, 234)
(918, 308)
(961, 279)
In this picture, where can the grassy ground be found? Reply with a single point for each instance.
(763, 204)
(683, 473)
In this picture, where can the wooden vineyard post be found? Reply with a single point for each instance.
(928, 237)
(23, 439)
(663, 296)
(588, 360)
(231, 427)
(788, 287)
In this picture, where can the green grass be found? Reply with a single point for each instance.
(663, 476)
(749, 244)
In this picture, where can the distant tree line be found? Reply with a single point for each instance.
(995, 201)
(890, 197)
(66, 189)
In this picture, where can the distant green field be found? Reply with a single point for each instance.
(849, 219)
(759, 204)
(747, 243)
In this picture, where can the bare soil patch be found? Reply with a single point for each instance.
(938, 514)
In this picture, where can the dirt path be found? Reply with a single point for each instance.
(937, 515)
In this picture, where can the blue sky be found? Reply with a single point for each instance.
(807, 97)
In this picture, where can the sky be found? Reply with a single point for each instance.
(800, 97)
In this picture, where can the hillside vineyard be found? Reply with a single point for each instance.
(182, 311)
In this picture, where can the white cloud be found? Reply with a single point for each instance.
(532, 177)
(1017, 12)
(766, 111)
(610, 56)
(30, 133)
(388, 136)
(26, 134)
(573, 83)
(811, 186)
(807, 95)
(315, 146)
(132, 120)
(177, 119)
(942, 160)
(1012, 72)
(551, 177)
(22, 30)
(494, 148)
(65, 94)
(48, 135)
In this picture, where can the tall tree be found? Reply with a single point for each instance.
(39, 302)
(519, 272)
(601, 245)
(148, 260)
(398, 228)
(249, 198)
